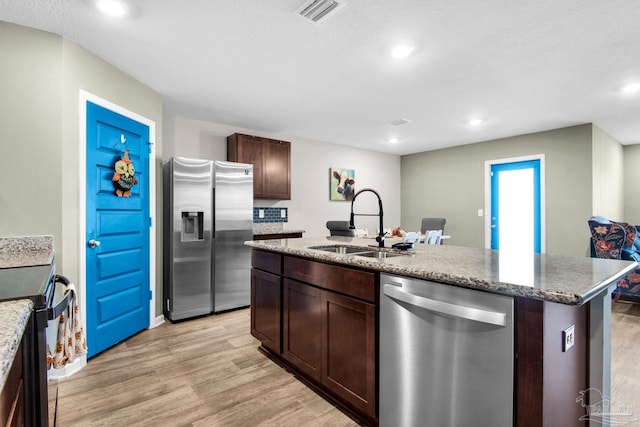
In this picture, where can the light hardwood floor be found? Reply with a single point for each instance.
(625, 357)
(208, 372)
(201, 372)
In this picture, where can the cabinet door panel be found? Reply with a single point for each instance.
(348, 358)
(248, 149)
(266, 320)
(302, 327)
(277, 164)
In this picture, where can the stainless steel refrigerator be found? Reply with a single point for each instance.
(208, 215)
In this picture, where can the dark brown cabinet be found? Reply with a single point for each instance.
(331, 338)
(266, 294)
(302, 327)
(348, 353)
(319, 320)
(12, 396)
(271, 160)
(266, 299)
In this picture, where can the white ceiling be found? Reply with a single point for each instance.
(521, 65)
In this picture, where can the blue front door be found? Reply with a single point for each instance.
(117, 228)
(515, 206)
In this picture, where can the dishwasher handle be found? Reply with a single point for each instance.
(470, 313)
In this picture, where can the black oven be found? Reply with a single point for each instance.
(37, 283)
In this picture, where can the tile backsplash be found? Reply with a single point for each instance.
(265, 215)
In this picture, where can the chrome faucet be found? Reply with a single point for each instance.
(381, 234)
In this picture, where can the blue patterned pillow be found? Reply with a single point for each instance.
(607, 239)
(630, 231)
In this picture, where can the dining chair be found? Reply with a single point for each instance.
(432, 224)
(433, 237)
(340, 228)
(411, 237)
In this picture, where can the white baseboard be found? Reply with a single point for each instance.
(159, 321)
(68, 370)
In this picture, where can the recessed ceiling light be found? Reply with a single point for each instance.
(475, 122)
(401, 51)
(393, 140)
(112, 7)
(631, 88)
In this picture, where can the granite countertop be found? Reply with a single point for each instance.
(26, 251)
(561, 279)
(14, 316)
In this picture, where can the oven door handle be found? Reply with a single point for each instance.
(53, 312)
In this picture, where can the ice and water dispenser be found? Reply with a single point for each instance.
(192, 226)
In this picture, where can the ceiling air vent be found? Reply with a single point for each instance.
(319, 10)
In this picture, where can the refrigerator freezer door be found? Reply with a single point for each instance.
(191, 223)
(233, 209)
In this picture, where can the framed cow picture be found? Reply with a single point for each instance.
(342, 184)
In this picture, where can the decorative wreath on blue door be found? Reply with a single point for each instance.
(123, 178)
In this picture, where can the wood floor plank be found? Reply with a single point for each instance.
(207, 372)
(625, 353)
(202, 372)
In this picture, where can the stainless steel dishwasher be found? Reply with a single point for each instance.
(446, 355)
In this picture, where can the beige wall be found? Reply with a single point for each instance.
(309, 207)
(450, 183)
(42, 75)
(31, 124)
(608, 171)
(631, 154)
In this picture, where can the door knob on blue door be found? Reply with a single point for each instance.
(94, 243)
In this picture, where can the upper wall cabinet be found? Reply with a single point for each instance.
(271, 160)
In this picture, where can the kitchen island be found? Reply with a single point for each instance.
(316, 310)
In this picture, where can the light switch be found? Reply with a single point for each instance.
(480, 212)
(260, 213)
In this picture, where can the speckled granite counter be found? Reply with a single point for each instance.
(561, 279)
(26, 251)
(13, 319)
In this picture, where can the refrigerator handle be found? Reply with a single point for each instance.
(483, 316)
(213, 212)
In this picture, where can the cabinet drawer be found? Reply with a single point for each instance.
(267, 261)
(356, 283)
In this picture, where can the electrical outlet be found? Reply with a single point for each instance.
(283, 213)
(260, 213)
(568, 338)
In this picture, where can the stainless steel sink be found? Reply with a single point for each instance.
(341, 249)
(378, 254)
(369, 252)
